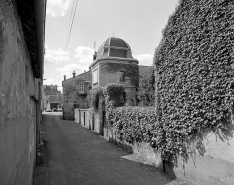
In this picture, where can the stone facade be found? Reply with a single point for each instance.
(51, 97)
(19, 98)
(75, 91)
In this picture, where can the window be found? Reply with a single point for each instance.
(81, 86)
(95, 76)
(105, 50)
(121, 76)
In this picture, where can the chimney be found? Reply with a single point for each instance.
(64, 77)
(90, 75)
(85, 74)
(94, 55)
(74, 74)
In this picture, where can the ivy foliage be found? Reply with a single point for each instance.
(114, 97)
(92, 100)
(135, 124)
(146, 91)
(131, 70)
(194, 71)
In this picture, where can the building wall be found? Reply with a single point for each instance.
(213, 163)
(214, 160)
(91, 121)
(69, 97)
(109, 71)
(17, 109)
(85, 118)
(73, 98)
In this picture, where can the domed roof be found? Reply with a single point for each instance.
(114, 42)
(114, 47)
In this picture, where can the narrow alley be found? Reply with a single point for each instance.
(79, 156)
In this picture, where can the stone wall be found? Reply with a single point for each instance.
(68, 111)
(18, 108)
(212, 163)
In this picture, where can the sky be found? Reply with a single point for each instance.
(138, 22)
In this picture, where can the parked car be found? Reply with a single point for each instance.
(60, 109)
(48, 110)
(54, 110)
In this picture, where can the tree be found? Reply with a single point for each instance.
(146, 94)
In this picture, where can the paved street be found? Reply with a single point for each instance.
(79, 156)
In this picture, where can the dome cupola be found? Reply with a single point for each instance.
(114, 47)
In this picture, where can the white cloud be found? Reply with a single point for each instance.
(48, 81)
(56, 55)
(144, 59)
(58, 7)
(68, 69)
(84, 55)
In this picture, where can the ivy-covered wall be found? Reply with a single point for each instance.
(195, 80)
(194, 68)
(109, 73)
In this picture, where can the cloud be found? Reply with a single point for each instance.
(57, 7)
(48, 81)
(68, 69)
(58, 55)
(84, 54)
(144, 59)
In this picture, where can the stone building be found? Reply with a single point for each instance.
(75, 90)
(112, 63)
(52, 98)
(21, 71)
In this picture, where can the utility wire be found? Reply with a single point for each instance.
(69, 25)
(74, 13)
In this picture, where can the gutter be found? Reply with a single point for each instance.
(39, 10)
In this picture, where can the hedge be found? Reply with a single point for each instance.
(146, 90)
(114, 97)
(135, 124)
